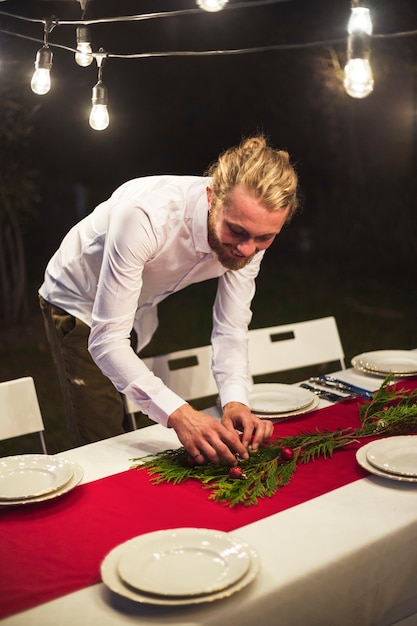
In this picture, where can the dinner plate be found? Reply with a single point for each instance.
(112, 580)
(77, 474)
(183, 562)
(32, 475)
(383, 362)
(362, 459)
(276, 416)
(278, 398)
(397, 455)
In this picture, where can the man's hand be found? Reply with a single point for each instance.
(254, 430)
(206, 439)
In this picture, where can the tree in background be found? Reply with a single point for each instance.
(18, 190)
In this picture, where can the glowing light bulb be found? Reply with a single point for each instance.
(212, 5)
(84, 55)
(360, 20)
(358, 82)
(41, 79)
(99, 115)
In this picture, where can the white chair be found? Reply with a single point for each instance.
(19, 410)
(293, 346)
(272, 349)
(186, 372)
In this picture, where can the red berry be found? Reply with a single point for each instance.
(287, 454)
(236, 472)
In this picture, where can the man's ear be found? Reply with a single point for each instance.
(209, 196)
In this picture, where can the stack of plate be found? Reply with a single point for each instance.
(276, 400)
(391, 457)
(401, 363)
(31, 478)
(180, 567)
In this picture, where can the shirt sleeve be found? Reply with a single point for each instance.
(131, 241)
(231, 317)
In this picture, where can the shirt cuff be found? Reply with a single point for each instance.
(234, 393)
(163, 404)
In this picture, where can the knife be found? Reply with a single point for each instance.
(326, 395)
(341, 385)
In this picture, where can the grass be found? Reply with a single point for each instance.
(372, 313)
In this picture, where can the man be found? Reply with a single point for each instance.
(153, 237)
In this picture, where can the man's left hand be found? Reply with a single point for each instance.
(237, 416)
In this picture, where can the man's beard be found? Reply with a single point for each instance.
(221, 249)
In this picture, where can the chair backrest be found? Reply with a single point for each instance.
(272, 349)
(19, 410)
(293, 346)
(186, 372)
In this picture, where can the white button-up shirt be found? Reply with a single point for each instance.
(147, 241)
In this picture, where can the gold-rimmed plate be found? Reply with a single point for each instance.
(384, 362)
(396, 455)
(278, 398)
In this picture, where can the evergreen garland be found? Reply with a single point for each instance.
(271, 467)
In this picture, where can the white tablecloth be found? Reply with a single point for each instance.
(347, 558)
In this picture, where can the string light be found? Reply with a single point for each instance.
(358, 81)
(41, 79)
(99, 115)
(212, 5)
(358, 75)
(83, 56)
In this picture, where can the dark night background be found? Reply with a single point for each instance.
(356, 158)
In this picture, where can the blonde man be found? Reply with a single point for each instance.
(151, 238)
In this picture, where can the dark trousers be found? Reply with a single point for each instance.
(93, 406)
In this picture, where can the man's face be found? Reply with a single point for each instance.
(242, 227)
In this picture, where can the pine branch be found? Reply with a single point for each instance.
(272, 466)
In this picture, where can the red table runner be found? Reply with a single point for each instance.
(52, 548)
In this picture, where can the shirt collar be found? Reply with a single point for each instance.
(200, 228)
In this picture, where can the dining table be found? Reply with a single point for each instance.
(337, 546)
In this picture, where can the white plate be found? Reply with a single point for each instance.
(77, 474)
(278, 398)
(275, 416)
(361, 457)
(31, 475)
(112, 580)
(183, 562)
(399, 362)
(397, 454)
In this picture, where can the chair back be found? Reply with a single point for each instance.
(186, 372)
(20, 413)
(272, 349)
(293, 346)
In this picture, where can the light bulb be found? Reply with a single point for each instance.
(41, 79)
(99, 116)
(360, 20)
(358, 81)
(212, 5)
(84, 55)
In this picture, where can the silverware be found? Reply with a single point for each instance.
(341, 385)
(326, 395)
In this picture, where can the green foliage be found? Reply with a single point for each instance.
(390, 412)
(18, 191)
